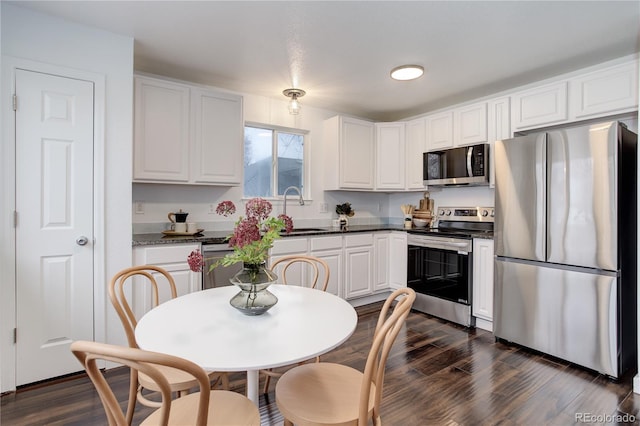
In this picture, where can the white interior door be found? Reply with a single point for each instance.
(54, 204)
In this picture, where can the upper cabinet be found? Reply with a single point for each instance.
(470, 124)
(607, 91)
(186, 134)
(416, 138)
(499, 127)
(350, 153)
(390, 155)
(440, 131)
(540, 106)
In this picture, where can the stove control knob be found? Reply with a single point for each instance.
(493, 213)
(441, 213)
(485, 213)
(448, 212)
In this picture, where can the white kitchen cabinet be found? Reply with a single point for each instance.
(349, 153)
(613, 90)
(185, 134)
(470, 124)
(390, 155)
(173, 258)
(329, 249)
(397, 260)
(296, 274)
(482, 302)
(439, 131)
(540, 106)
(359, 272)
(217, 135)
(381, 261)
(416, 138)
(499, 128)
(161, 148)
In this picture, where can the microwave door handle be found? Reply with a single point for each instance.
(469, 156)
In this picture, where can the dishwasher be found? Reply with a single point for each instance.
(219, 276)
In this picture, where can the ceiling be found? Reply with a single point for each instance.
(341, 52)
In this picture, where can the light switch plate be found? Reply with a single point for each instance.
(139, 207)
(324, 207)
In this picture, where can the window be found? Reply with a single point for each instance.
(273, 160)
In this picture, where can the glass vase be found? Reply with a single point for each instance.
(253, 298)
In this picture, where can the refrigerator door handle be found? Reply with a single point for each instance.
(541, 196)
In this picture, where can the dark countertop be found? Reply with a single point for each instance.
(219, 237)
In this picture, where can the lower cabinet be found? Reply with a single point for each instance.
(360, 264)
(173, 258)
(482, 302)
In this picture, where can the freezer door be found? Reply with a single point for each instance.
(520, 174)
(569, 314)
(582, 196)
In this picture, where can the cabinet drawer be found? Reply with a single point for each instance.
(326, 243)
(168, 253)
(289, 246)
(358, 240)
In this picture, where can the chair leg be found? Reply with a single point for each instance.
(225, 381)
(266, 383)
(133, 390)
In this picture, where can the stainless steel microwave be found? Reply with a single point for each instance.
(467, 165)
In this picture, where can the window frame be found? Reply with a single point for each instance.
(306, 164)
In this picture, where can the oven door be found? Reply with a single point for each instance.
(441, 273)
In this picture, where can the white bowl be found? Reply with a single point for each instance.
(419, 223)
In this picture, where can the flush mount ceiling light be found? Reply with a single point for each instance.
(407, 72)
(294, 104)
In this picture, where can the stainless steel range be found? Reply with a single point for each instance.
(440, 260)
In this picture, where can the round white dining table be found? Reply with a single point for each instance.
(204, 328)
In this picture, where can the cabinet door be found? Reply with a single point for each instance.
(334, 260)
(440, 131)
(358, 265)
(416, 141)
(173, 258)
(217, 137)
(161, 134)
(499, 128)
(397, 260)
(470, 124)
(390, 155)
(381, 263)
(608, 91)
(540, 106)
(356, 154)
(483, 279)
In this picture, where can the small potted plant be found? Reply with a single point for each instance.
(344, 211)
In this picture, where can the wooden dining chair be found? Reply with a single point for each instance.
(205, 407)
(319, 268)
(178, 380)
(331, 394)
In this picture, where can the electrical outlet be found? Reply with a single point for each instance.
(212, 208)
(324, 208)
(139, 207)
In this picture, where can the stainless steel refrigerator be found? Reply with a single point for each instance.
(565, 244)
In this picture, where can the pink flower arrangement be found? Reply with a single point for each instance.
(252, 236)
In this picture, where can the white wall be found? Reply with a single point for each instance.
(35, 37)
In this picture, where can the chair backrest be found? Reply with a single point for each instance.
(287, 261)
(389, 324)
(88, 353)
(119, 300)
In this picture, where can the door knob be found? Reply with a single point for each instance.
(82, 240)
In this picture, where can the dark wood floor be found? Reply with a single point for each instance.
(437, 374)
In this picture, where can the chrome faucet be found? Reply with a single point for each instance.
(284, 209)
